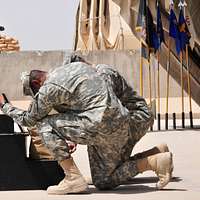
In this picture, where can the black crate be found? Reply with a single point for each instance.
(6, 124)
(19, 173)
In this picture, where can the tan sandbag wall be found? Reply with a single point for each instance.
(8, 44)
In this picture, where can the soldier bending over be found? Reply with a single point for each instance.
(96, 107)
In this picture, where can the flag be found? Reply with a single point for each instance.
(151, 34)
(173, 29)
(159, 27)
(141, 20)
(141, 27)
(184, 33)
(147, 28)
(144, 51)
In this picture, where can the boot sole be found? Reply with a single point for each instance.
(166, 174)
(80, 189)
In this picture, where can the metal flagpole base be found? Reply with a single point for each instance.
(166, 121)
(174, 120)
(191, 120)
(158, 121)
(183, 120)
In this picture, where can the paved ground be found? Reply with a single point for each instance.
(185, 185)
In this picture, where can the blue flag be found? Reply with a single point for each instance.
(159, 28)
(151, 34)
(173, 30)
(184, 34)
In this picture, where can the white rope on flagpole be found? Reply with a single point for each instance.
(171, 2)
(182, 4)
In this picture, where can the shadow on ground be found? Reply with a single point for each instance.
(135, 186)
(141, 180)
(125, 189)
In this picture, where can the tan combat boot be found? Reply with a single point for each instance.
(88, 180)
(73, 181)
(161, 164)
(161, 148)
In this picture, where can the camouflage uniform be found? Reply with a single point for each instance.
(95, 107)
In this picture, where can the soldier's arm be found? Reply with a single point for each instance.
(141, 114)
(38, 109)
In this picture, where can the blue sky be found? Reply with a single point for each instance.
(40, 24)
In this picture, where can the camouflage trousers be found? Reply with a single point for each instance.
(109, 154)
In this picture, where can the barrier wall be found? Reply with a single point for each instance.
(126, 62)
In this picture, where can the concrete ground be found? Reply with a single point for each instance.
(185, 184)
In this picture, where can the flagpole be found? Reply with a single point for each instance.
(167, 91)
(141, 71)
(160, 35)
(167, 96)
(168, 70)
(140, 28)
(182, 5)
(150, 89)
(189, 83)
(158, 80)
(150, 83)
(189, 88)
(182, 89)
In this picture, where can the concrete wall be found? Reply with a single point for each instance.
(11, 66)
(126, 62)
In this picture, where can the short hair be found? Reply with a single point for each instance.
(35, 75)
(77, 58)
(73, 57)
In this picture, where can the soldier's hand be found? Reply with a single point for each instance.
(2, 101)
(72, 146)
